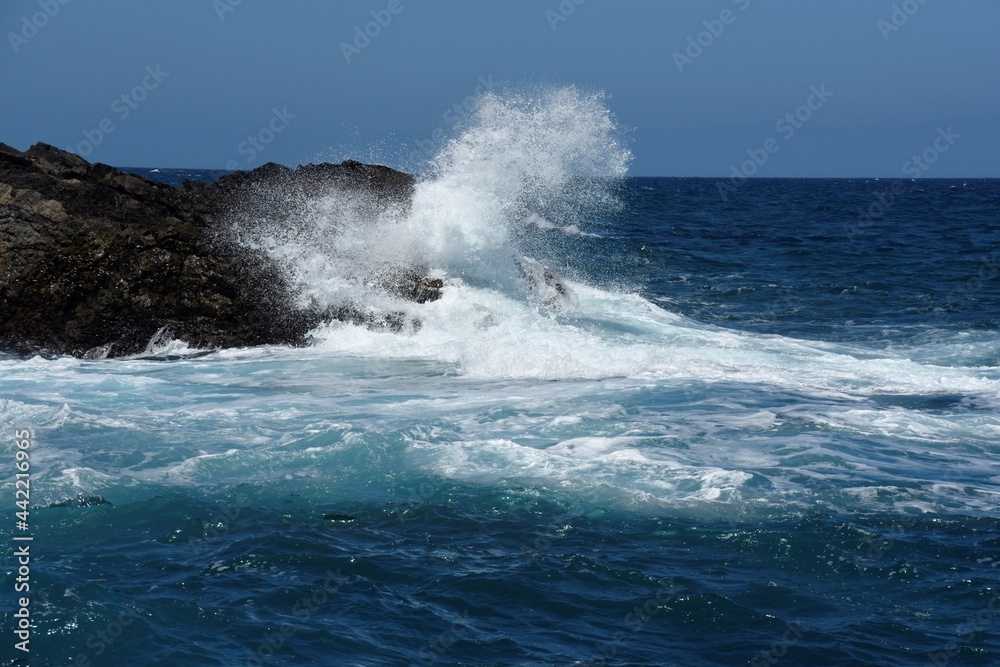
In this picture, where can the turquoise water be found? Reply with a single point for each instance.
(746, 436)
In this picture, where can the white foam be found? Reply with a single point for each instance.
(524, 162)
(604, 394)
(623, 473)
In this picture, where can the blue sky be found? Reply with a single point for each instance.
(700, 88)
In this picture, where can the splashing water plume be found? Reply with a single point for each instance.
(555, 157)
(523, 163)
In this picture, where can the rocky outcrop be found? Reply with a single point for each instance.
(95, 261)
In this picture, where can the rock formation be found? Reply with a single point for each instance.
(95, 261)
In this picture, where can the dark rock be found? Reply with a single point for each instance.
(544, 285)
(427, 289)
(395, 321)
(337, 516)
(94, 260)
(408, 283)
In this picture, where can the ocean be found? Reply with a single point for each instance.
(756, 423)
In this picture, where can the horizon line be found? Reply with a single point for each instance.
(717, 178)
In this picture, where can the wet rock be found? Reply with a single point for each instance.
(393, 321)
(544, 286)
(94, 261)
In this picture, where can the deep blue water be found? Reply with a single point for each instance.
(757, 435)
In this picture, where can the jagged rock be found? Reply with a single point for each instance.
(544, 285)
(427, 289)
(408, 283)
(94, 259)
(394, 321)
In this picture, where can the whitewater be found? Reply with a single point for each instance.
(762, 434)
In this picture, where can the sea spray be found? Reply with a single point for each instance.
(755, 471)
(554, 156)
(522, 163)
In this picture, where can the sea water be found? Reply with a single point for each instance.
(755, 425)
